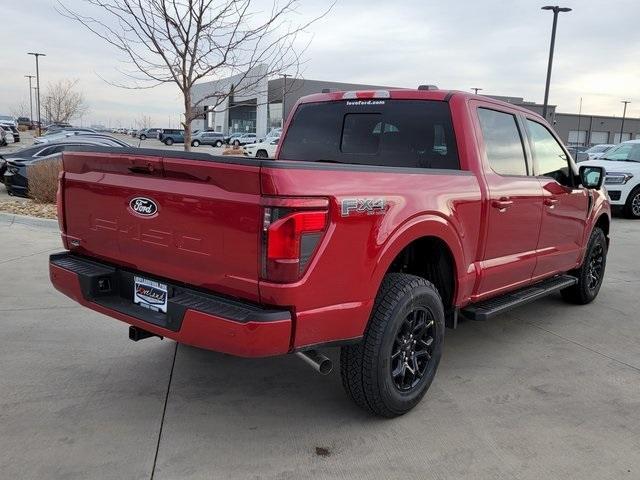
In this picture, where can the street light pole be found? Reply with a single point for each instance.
(30, 77)
(284, 94)
(475, 90)
(35, 54)
(556, 9)
(624, 114)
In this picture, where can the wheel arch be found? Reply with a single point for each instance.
(429, 248)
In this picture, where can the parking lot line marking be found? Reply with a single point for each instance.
(164, 411)
(633, 367)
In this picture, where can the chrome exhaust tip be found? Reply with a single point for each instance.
(320, 363)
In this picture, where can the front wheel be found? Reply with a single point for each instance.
(195, 143)
(219, 143)
(236, 143)
(262, 154)
(143, 137)
(168, 142)
(391, 369)
(591, 272)
(632, 205)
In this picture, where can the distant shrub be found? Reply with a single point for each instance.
(43, 180)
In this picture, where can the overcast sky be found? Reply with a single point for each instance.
(498, 45)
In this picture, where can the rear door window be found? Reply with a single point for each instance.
(503, 142)
(392, 133)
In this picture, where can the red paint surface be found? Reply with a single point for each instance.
(207, 231)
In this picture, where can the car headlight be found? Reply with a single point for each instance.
(616, 178)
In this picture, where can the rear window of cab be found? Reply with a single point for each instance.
(391, 133)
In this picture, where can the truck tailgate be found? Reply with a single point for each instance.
(193, 220)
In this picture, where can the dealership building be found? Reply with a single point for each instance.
(252, 103)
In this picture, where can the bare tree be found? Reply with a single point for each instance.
(62, 101)
(185, 41)
(21, 109)
(143, 121)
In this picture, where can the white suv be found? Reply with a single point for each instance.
(264, 149)
(622, 164)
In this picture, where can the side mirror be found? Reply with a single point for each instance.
(592, 177)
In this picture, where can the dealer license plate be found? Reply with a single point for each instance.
(150, 294)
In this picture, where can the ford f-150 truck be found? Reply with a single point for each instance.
(386, 216)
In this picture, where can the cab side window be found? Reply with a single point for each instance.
(503, 142)
(551, 159)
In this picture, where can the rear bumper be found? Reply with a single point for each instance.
(194, 318)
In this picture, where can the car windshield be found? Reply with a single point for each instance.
(599, 148)
(625, 152)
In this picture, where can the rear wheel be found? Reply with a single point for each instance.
(389, 372)
(591, 272)
(219, 143)
(143, 137)
(632, 206)
(195, 143)
(168, 141)
(236, 143)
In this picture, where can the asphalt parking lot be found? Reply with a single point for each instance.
(548, 391)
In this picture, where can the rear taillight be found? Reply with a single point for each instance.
(59, 206)
(291, 235)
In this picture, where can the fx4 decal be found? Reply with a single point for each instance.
(367, 206)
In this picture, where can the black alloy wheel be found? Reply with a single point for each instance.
(413, 349)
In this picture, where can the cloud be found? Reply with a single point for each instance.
(499, 46)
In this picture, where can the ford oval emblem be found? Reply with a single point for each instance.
(143, 206)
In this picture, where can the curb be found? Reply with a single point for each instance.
(12, 218)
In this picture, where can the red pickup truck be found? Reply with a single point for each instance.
(385, 217)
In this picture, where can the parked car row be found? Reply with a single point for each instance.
(14, 166)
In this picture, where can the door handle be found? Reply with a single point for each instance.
(550, 202)
(502, 204)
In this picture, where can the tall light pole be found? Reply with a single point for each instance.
(35, 54)
(284, 94)
(475, 90)
(30, 77)
(556, 10)
(624, 114)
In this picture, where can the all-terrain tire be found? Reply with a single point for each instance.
(632, 205)
(587, 288)
(366, 368)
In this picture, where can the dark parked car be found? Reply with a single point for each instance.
(169, 136)
(215, 139)
(15, 174)
(24, 122)
(148, 133)
(46, 140)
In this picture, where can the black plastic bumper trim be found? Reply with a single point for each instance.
(112, 287)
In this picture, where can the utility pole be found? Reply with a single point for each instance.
(579, 118)
(624, 114)
(556, 9)
(30, 100)
(284, 94)
(35, 54)
(475, 90)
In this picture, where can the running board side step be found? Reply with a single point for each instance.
(494, 306)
